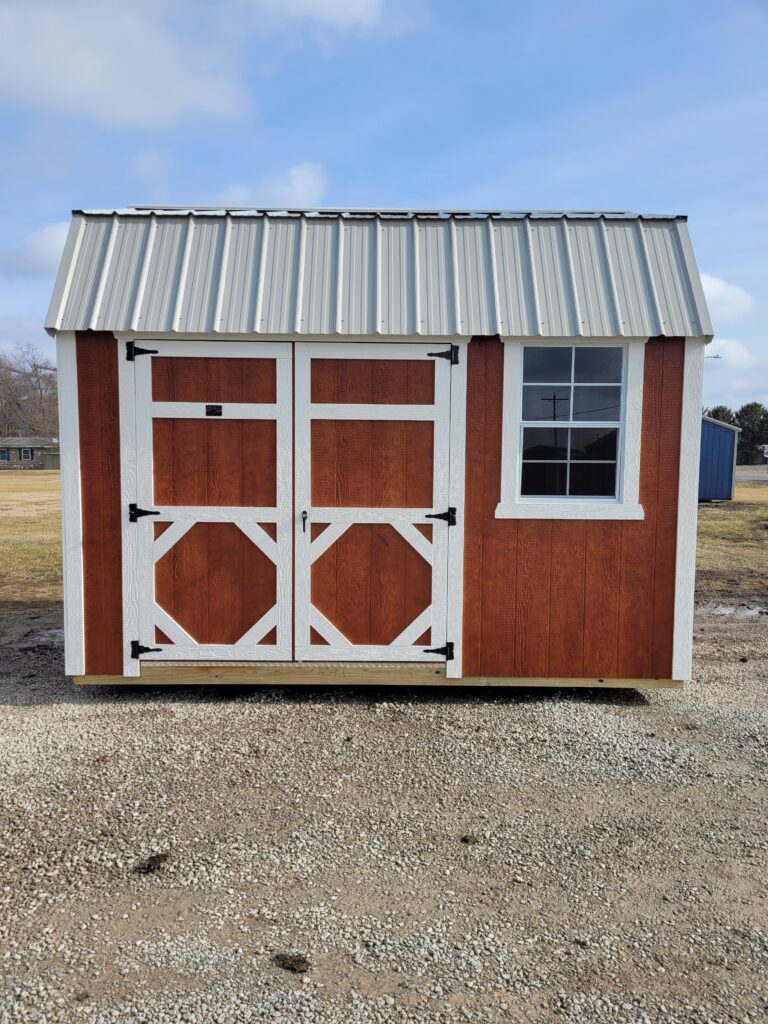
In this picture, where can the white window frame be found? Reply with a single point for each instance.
(5, 455)
(26, 455)
(626, 505)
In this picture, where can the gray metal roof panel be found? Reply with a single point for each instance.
(379, 273)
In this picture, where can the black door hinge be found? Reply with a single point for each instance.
(449, 516)
(137, 650)
(447, 651)
(452, 355)
(135, 513)
(132, 350)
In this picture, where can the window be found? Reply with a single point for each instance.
(563, 388)
(571, 431)
(4, 455)
(26, 454)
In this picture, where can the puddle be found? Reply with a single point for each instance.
(741, 613)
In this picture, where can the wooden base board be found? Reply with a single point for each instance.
(339, 673)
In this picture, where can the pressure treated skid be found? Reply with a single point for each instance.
(329, 674)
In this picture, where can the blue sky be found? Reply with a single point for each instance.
(652, 106)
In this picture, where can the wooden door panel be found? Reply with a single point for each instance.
(215, 462)
(373, 381)
(372, 464)
(215, 583)
(195, 379)
(371, 584)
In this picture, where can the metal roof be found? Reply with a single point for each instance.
(379, 272)
(29, 442)
(721, 423)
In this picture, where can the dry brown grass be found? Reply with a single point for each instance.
(733, 546)
(732, 552)
(30, 536)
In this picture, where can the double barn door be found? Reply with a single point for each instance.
(291, 502)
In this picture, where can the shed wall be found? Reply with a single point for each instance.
(591, 599)
(716, 465)
(99, 416)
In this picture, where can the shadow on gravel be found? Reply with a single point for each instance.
(32, 674)
(38, 684)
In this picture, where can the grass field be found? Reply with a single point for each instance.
(30, 536)
(732, 553)
(732, 560)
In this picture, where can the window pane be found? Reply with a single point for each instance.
(593, 443)
(545, 443)
(543, 478)
(546, 364)
(598, 365)
(593, 480)
(598, 403)
(541, 402)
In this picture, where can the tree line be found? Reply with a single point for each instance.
(752, 419)
(28, 394)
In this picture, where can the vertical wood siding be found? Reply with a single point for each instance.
(98, 411)
(567, 598)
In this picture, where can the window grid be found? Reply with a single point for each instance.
(26, 454)
(4, 455)
(571, 424)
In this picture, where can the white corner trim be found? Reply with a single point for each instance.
(687, 509)
(71, 505)
(569, 510)
(456, 484)
(511, 505)
(128, 492)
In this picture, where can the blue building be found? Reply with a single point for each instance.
(717, 468)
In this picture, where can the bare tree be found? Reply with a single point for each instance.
(28, 393)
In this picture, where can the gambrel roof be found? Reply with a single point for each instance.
(376, 272)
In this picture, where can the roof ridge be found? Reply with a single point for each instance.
(394, 212)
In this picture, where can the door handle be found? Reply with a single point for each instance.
(304, 517)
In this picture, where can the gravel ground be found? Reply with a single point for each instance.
(293, 855)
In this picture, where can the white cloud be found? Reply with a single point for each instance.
(148, 63)
(739, 374)
(299, 186)
(726, 301)
(39, 253)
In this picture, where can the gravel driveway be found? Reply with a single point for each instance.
(294, 855)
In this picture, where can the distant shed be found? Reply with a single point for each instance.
(717, 467)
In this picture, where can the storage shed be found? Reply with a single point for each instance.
(379, 446)
(717, 465)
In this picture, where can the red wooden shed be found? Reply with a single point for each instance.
(379, 446)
